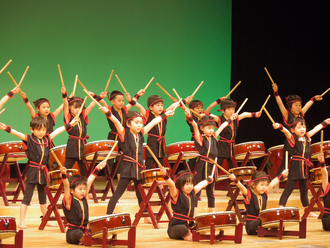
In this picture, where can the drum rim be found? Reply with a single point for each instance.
(53, 171)
(216, 213)
(104, 141)
(319, 143)
(7, 217)
(10, 142)
(58, 147)
(249, 142)
(255, 167)
(215, 226)
(274, 147)
(181, 142)
(174, 154)
(251, 152)
(111, 230)
(106, 216)
(284, 208)
(155, 169)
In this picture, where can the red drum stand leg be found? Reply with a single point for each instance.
(314, 200)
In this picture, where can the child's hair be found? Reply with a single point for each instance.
(154, 99)
(195, 103)
(259, 176)
(75, 101)
(294, 121)
(76, 180)
(290, 99)
(130, 116)
(38, 122)
(182, 178)
(113, 94)
(40, 101)
(206, 120)
(227, 103)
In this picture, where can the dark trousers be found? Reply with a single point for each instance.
(229, 162)
(29, 188)
(177, 231)
(290, 184)
(69, 162)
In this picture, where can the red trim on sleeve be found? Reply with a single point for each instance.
(125, 109)
(266, 193)
(287, 116)
(248, 200)
(122, 139)
(290, 143)
(85, 117)
(142, 131)
(53, 117)
(174, 201)
(67, 207)
(201, 138)
(327, 190)
(237, 121)
(146, 117)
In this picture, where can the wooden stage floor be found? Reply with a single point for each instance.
(148, 237)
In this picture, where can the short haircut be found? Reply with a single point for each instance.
(75, 101)
(154, 99)
(76, 180)
(292, 99)
(227, 103)
(113, 94)
(38, 122)
(38, 102)
(182, 180)
(195, 103)
(130, 116)
(206, 120)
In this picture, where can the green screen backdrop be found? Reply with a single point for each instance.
(180, 43)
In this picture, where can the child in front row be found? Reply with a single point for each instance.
(255, 197)
(75, 204)
(325, 193)
(37, 146)
(183, 198)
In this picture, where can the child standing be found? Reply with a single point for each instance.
(183, 199)
(75, 204)
(37, 146)
(255, 197)
(8, 96)
(297, 144)
(325, 193)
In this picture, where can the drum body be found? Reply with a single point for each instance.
(316, 149)
(256, 148)
(103, 147)
(56, 177)
(221, 221)
(316, 175)
(14, 148)
(188, 149)
(275, 158)
(60, 152)
(244, 173)
(7, 227)
(270, 218)
(151, 175)
(115, 223)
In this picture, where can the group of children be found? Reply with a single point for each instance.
(129, 128)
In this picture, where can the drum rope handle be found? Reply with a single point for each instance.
(57, 160)
(153, 155)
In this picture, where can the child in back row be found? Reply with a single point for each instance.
(37, 146)
(8, 96)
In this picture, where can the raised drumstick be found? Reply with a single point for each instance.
(152, 79)
(153, 155)
(221, 168)
(81, 108)
(172, 98)
(2, 111)
(106, 87)
(59, 70)
(177, 105)
(121, 84)
(325, 92)
(12, 79)
(286, 160)
(265, 103)
(20, 82)
(213, 169)
(75, 85)
(197, 88)
(81, 84)
(270, 118)
(233, 89)
(269, 75)
(180, 99)
(111, 150)
(241, 106)
(4, 68)
(321, 141)
(194, 112)
(57, 160)
(86, 91)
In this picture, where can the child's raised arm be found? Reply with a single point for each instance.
(277, 180)
(324, 171)
(170, 183)
(66, 185)
(119, 127)
(238, 184)
(249, 115)
(310, 103)
(191, 120)
(318, 127)
(225, 124)
(133, 102)
(203, 184)
(8, 96)
(286, 132)
(279, 101)
(156, 120)
(8, 129)
(92, 104)
(94, 174)
(65, 104)
(58, 110)
(67, 127)
(213, 104)
(28, 105)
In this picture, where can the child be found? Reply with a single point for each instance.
(206, 143)
(297, 144)
(119, 111)
(228, 135)
(131, 144)
(37, 146)
(325, 193)
(8, 96)
(75, 204)
(255, 197)
(183, 198)
(78, 134)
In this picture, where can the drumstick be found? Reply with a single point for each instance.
(233, 89)
(75, 85)
(321, 95)
(270, 118)
(241, 106)
(177, 105)
(177, 95)
(111, 150)
(106, 87)
(20, 82)
(321, 141)
(59, 70)
(81, 108)
(221, 168)
(213, 169)
(57, 160)
(121, 84)
(264, 103)
(152, 79)
(194, 112)
(197, 88)
(81, 84)
(2, 111)
(269, 75)
(172, 98)
(286, 160)
(86, 91)
(4, 68)
(153, 155)
(12, 79)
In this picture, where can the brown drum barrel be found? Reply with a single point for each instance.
(188, 148)
(221, 220)
(60, 152)
(102, 147)
(7, 227)
(14, 148)
(115, 223)
(244, 173)
(270, 218)
(316, 175)
(151, 175)
(275, 158)
(316, 149)
(56, 177)
(256, 148)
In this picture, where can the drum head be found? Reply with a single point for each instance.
(7, 234)
(278, 147)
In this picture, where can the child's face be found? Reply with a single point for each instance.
(79, 191)
(39, 133)
(74, 109)
(208, 130)
(296, 108)
(118, 102)
(261, 187)
(187, 188)
(299, 130)
(199, 108)
(44, 109)
(157, 108)
(135, 125)
(228, 112)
